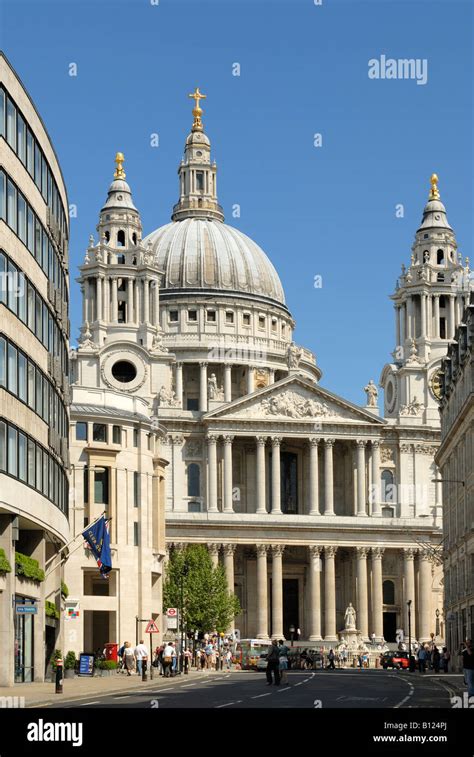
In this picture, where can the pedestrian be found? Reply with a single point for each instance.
(128, 658)
(203, 659)
(331, 656)
(228, 659)
(467, 655)
(167, 660)
(120, 657)
(273, 663)
(422, 659)
(283, 662)
(174, 659)
(436, 659)
(141, 655)
(445, 658)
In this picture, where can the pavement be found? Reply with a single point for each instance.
(349, 688)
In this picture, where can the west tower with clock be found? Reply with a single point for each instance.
(429, 300)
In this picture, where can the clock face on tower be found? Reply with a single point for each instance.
(436, 384)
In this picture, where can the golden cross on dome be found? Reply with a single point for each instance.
(197, 110)
(119, 172)
(434, 192)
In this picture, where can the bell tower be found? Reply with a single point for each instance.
(429, 300)
(119, 279)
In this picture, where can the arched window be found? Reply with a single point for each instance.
(121, 259)
(388, 593)
(440, 257)
(194, 480)
(387, 487)
(107, 236)
(121, 238)
(134, 238)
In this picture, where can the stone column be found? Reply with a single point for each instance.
(250, 379)
(260, 483)
(156, 303)
(314, 582)
(203, 387)
(376, 506)
(146, 300)
(410, 324)
(436, 315)
(229, 551)
(429, 316)
(98, 299)
(262, 592)
(131, 304)
(361, 508)
(377, 592)
(138, 302)
(114, 318)
(362, 597)
(228, 382)
(424, 596)
(277, 591)
(228, 508)
(452, 318)
(423, 314)
(403, 323)
(409, 574)
(84, 292)
(276, 481)
(328, 477)
(214, 552)
(212, 479)
(271, 376)
(397, 323)
(313, 477)
(179, 383)
(330, 593)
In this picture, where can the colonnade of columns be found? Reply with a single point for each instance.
(227, 382)
(101, 297)
(321, 589)
(315, 447)
(428, 323)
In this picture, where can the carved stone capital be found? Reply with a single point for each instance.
(377, 552)
(203, 363)
(315, 551)
(262, 550)
(276, 441)
(313, 441)
(425, 555)
(362, 553)
(277, 550)
(212, 439)
(177, 439)
(329, 443)
(229, 549)
(261, 441)
(375, 444)
(179, 545)
(228, 439)
(213, 549)
(361, 443)
(330, 551)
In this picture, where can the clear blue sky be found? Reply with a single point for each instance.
(326, 211)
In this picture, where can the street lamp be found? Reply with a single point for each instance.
(410, 656)
(437, 623)
(292, 633)
(184, 573)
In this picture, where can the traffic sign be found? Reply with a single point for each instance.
(151, 627)
(172, 612)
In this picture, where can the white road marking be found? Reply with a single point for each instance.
(261, 695)
(123, 696)
(412, 691)
(188, 685)
(88, 703)
(228, 704)
(285, 689)
(298, 684)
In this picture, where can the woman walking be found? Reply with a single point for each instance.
(128, 658)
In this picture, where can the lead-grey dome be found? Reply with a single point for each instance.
(198, 253)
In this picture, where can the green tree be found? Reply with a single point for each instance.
(208, 603)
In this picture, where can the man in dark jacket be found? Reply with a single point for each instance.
(273, 663)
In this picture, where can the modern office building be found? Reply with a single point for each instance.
(34, 393)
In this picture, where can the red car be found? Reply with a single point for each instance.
(395, 660)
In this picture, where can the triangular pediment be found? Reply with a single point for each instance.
(294, 398)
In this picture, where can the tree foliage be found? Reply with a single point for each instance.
(208, 603)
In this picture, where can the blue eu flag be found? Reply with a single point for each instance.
(98, 538)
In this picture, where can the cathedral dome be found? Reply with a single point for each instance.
(200, 253)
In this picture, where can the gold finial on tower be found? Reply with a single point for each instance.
(197, 110)
(434, 192)
(119, 172)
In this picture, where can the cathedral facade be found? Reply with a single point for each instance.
(196, 419)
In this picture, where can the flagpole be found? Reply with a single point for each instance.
(62, 560)
(73, 540)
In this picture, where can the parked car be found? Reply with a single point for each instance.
(398, 660)
(262, 662)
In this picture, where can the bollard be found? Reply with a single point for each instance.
(59, 676)
(144, 675)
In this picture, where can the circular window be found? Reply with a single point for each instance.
(124, 371)
(389, 393)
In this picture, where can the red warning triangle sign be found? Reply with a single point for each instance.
(151, 627)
